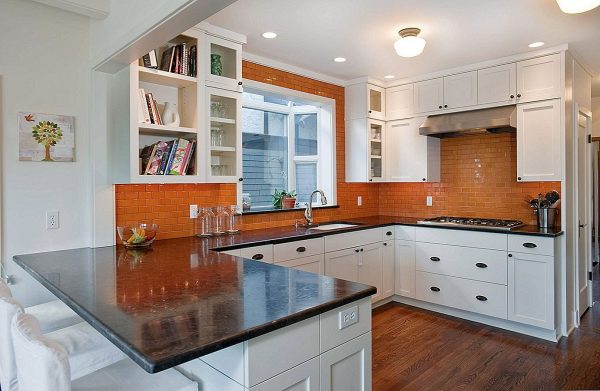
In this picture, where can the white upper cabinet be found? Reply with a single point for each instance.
(411, 157)
(539, 78)
(399, 102)
(460, 90)
(224, 63)
(429, 95)
(497, 84)
(539, 156)
(365, 143)
(365, 100)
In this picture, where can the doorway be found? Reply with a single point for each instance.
(584, 170)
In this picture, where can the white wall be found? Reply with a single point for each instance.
(43, 68)
(596, 117)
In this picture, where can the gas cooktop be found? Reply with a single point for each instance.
(472, 222)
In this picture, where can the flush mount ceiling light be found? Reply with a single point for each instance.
(536, 44)
(409, 44)
(339, 59)
(389, 76)
(269, 35)
(577, 6)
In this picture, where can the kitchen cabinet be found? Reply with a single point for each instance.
(312, 264)
(348, 366)
(404, 259)
(304, 377)
(429, 96)
(399, 102)
(531, 289)
(539, 78)
(343, 264)
(539, 145)
(262, 253)
(460, 90)
(388, 278)
(365, 141)
(223, 61)
(497, 84)
(365, 100)
(411, 157)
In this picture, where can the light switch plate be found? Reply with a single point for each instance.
(429, 201)
(193, 211)
(348, 317)
(359, 201)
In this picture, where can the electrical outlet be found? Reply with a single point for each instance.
(193, 211)
(348, 317)
(359, 201)
(429, 201)
(52, 219)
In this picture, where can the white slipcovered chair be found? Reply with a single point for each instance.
(52, 315)
(43, 365)
(87, 349)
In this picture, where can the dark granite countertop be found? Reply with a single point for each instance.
(291, 233)
(180, 300)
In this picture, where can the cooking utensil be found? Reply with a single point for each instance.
(552, 197)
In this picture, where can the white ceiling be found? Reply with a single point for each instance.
(458, 32)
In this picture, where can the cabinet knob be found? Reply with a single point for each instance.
(512, 97)
(241, 179)
(357, 250)
(435, 259)
(361, 250)
(301, 249)
(440, 106)
(481, 298)
(370, 179)
(435, 289)
(424, 179)
(445, 106)
(258, 257)
(481, 265)
(239, 83)
(518, 178)
(389, 233)
(385, 244)
(510, 255)
(529, 245)
(518, 95)
(370, 111)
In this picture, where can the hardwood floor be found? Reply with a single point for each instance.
(415, 349)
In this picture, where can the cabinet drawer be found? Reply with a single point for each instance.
(258, 253)
(472, 263)
(298, 249)
(331, 333)
(404, 232)
(304, 377)
(352, 239)
(531, 244)
(388, 233)
(475, 296)
(455, 237)
(314, 264)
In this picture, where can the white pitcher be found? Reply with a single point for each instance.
(170, 116)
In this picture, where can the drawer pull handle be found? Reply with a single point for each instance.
(258, 257)
(435, 289)
(357, 250)
(301, 249)
(481, 298)
(389, 233)
(481, 265)
(529, 245)
(435, 259)
(385, 244)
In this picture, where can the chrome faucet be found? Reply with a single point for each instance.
(308, 211)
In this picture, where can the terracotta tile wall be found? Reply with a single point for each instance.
(168, 205)
(478, 178)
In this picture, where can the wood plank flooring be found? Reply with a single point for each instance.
(415, 349)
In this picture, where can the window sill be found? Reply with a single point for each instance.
(265, 211)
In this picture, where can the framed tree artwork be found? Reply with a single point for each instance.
(46, 137)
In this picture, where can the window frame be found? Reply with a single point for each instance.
(326, 142)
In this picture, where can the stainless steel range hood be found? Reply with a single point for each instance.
(469, 122)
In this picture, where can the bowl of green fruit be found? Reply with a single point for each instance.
(138, 235)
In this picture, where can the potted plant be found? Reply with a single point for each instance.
(284, 199)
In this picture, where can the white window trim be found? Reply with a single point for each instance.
(326, 153)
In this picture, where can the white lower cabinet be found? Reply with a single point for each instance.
(348, 366)
(343, 264)
(388, 283)
(404, 260)
(531, 289)
(304, 377)
(313, 264)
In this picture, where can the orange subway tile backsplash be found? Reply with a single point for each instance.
(478, 179)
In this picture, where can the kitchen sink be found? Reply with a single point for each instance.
(327, 227)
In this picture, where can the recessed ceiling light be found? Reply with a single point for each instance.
(389, 76)
(536, 44)
(339, 59)
(269, 35)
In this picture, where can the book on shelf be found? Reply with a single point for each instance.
(175, 157)
(146, 155)
(143, 113)
(149, 60)
(180, 59)
(193, 61)
(157, 158)
(150, 112)
(165, 158)
(178, 159)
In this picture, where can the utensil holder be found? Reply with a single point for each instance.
(546, 217)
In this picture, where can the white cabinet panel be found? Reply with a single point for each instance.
(298, 249)
(539, 78)
(333, 335)
(405, 268)
(429, 96)
(460, 90)
(411, 157)
(343, 264)
(497, 84)
(304, 377)
(387, 288)
(352, 239)
(370, 268)
(348, 367)
(531, 244)
(364, 100)
(399, 102)
(405, 232)
(456, 237)
(365, 150)
(313, 264)
(376, 102)
(262, 253)
(531, 289)
(539, 145)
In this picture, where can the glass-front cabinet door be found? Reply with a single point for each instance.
(376, 151)
(224, 65)
(224, 135)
